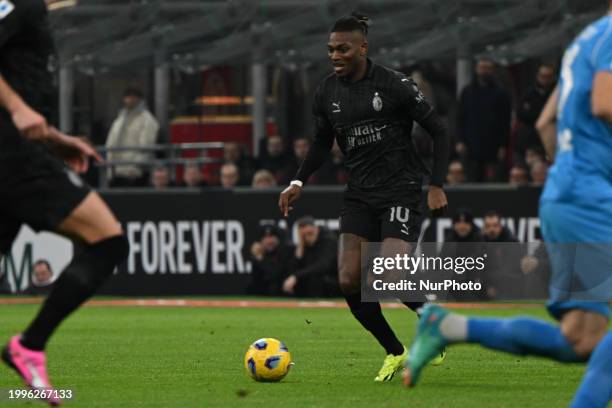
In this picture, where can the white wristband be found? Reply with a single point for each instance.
(296, 183)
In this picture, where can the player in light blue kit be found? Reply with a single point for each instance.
(576, 217)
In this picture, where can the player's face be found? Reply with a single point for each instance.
(345, 50)
(492, 227)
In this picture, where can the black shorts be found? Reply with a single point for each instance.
(379, 215)
(36, 188)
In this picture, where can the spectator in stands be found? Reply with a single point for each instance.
(530, 106)
(160, 178)
(333, 170)
(463, 240)
(455, 175)
(538, 172)
(229, 175)
(270, 258)
(534, 154)
(300, 148)
(192, 176)
(313, 267)
(536, 273)
(494, 231)
(134, 127)
(42, 279)
(518, 176)
(263, 179)
(277, 160)
(502, 274)
(234, 152)
(483, 124)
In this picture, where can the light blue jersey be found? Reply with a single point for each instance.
(576, 205)
(582, 172)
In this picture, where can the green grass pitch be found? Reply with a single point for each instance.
(193, 357)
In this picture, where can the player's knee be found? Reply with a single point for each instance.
(583, 333)
(96, 262)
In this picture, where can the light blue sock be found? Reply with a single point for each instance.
(595, 391)
(522, 336)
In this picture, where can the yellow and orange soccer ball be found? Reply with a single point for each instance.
(267, 359)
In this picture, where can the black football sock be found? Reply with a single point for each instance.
(88, 270)
(414, 306)
(369, 314)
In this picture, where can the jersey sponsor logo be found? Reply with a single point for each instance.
(377, 103)
(362, 135)
(6, 7)
(336, 106)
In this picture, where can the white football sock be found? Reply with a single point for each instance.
(454, 327)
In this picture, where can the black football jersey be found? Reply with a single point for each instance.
(372, 121)
(26, 46)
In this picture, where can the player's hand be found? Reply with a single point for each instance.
(288, 197)
(30, 123)
(74, 150)
(436, 201)
(289, 284)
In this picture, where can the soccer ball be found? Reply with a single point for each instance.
(267, 359)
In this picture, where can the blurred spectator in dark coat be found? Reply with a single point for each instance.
(536, 272)
(235, 153)
(518, 176)
(332, 171)
(530, 106)
(483, 124)
(456, 173)
(276, 159)
(313, 266)
(263, 179)
(538, 173)
(42, 279)
(270, 258)
(464, 240)
(229, 175)
(192, 176)
(160, 177)
(502, 274)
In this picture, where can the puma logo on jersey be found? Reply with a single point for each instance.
(336, 105)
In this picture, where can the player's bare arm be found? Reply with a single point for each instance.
(29, 122)
(601, 101)
(546, 125)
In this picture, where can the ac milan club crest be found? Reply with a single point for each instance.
(377, 102)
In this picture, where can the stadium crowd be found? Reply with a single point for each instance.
(494, 141)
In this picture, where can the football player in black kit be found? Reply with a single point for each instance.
(38, 189)
(369, 110)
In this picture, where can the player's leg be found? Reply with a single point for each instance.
(369, 314)
(101, 247)
(595, 391)
(39, 191)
